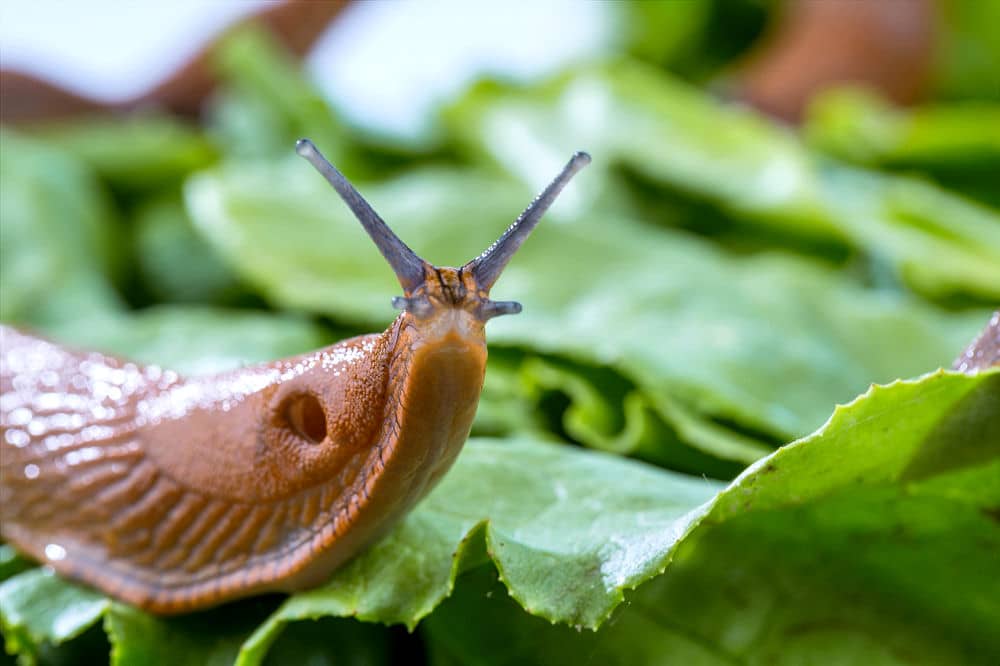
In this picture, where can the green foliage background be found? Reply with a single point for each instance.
(712, 287)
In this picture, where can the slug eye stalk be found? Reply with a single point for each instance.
(412, 271)
(409, 268)
(488, 266)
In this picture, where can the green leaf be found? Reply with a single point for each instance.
(744, 165)
(55, 240)
(968, 50)
(873, 540)
(956, 144)
(480, 625)
(334, 642)
(859, 126)
(765, 342)
(568, 531)
(200, 638)
(136, 152)
(10, 562)
(604, 412)
(175, 262)
(842, 543)
(266, 102)
(661, 32)
(37, 607)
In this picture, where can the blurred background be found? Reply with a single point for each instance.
(789, 200)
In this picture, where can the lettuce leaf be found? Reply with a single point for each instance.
(136, 153)
(848, 537)
(748, 167)
(861, 127)
(56, 239)
(872, 541)
(956, 144)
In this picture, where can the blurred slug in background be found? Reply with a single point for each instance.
(177, 494)
(887, 46)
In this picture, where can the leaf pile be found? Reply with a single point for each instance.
(712, 287)
(568, 533)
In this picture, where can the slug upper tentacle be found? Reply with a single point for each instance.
(176, 493)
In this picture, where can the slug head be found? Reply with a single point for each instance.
(436, 294)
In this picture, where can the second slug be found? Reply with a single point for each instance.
(177, 494)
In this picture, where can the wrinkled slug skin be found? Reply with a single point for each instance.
(176, 494)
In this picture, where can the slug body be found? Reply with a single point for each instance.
(176, 494)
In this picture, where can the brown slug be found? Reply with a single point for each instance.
(810, 46)
(175, 494)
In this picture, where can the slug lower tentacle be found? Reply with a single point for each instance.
(176, 494)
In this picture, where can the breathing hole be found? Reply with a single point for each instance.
(306, 417)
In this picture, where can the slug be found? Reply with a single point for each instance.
(175, 494)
